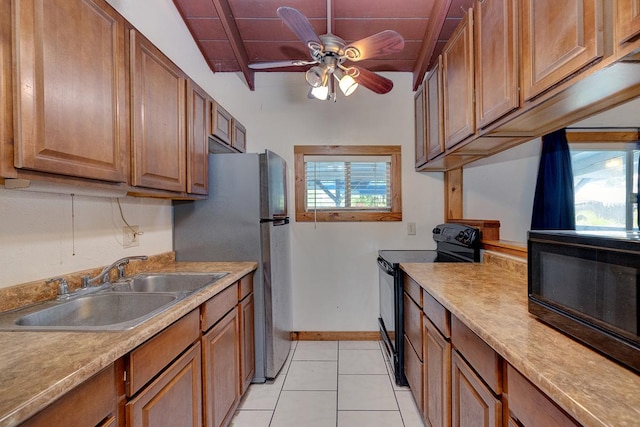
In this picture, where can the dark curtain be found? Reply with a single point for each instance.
(553, 203)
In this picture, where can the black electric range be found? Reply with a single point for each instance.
(454, 243)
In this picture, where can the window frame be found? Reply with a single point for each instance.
(610, 141)
(348, 215)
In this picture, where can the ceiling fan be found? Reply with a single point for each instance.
(329, 54)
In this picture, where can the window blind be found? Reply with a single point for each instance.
(348, 183)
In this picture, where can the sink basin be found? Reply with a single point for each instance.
(172, 282)
(112, 311)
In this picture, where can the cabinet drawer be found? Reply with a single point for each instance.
(413, 289)
(413, 370)
(530, 406)
(438, 315)
(88, 404)
(215, 309)
(486, 362)
(245, 287)
(146, 361)
(413, 324)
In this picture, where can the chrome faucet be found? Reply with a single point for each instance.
(63, 286)
(119, 264)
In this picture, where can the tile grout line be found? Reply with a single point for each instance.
(392, 382)
(337, 383)
(284, 379)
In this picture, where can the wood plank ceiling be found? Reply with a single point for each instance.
(232, 34)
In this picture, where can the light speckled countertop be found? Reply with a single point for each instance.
(492, 301)
(38, 367)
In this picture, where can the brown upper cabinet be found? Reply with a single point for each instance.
(627, 21)
(458, 84)
(227, 129)
(433, 111)
(558, 39)
(419, 126)
(159, 123)
(199, 125)
(71, 102)
(496, 59)
(221, 123)
(239, 136)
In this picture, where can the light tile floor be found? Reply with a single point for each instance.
(332, 384)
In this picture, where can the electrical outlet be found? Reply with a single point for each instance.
(411, 228)
(130, 237)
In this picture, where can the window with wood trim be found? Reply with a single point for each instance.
(348, 183)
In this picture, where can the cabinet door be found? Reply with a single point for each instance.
(221, 123)
(239, 137)
(221, 353)
(458, 84)
(198, 119)
(437, 377)
(496, 59)
(174, 398)
(419, 127)
(247, 350)
(558, 39)
(71, 97)
(627, 20)
(433, 113)
(472, 403)
(413, 370)
(159, 116)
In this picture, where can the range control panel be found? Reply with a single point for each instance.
(457, 234)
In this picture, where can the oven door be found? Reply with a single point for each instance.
(390, 320)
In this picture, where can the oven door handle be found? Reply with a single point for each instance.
(385, 266)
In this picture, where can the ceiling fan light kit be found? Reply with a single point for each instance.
(330, 52)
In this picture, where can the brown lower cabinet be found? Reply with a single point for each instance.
(472, 402)
(464, 381)
(174, 398)
(192, 373)
(437, 377)
(221, 355)
(92, 403)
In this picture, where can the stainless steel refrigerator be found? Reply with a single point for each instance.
(245, 219)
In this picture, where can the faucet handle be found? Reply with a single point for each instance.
(63, 286)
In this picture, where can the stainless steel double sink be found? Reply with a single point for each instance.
(110, 307)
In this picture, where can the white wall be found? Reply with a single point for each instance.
(502, 187)
(44, 235)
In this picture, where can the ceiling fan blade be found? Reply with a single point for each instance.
(279, 64)
(299, 24)
(383, 43)
(372, 81)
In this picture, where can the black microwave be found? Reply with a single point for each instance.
(587, 285)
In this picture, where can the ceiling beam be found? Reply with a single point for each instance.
(233, 34)
(436, 22)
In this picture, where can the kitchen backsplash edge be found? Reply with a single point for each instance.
(29, 293)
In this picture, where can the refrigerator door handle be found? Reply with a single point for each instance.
(276, 221)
